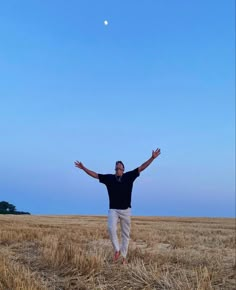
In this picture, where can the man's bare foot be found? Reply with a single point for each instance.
(117, 255)
(124, 261)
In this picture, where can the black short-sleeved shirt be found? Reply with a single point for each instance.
(119, 190)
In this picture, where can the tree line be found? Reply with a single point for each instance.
(8, 208)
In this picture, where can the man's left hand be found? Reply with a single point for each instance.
(156, 153)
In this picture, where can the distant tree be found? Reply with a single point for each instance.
(8, 208)
(11, 207)
(5, 206)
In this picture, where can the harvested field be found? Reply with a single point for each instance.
(74, 252)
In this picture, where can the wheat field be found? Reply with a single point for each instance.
(74, 252)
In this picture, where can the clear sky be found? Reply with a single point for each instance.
(161, 74)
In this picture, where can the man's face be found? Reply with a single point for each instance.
(119, 169)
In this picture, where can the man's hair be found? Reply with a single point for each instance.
(117, 162)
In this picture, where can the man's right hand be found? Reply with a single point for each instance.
(89, 172)
(79, 164)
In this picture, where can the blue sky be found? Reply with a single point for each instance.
(161, 74)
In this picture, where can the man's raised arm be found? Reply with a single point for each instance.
(149, 161)
(89, 172)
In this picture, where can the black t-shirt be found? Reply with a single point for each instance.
(119, 189)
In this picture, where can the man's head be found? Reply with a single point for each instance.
(119, 168)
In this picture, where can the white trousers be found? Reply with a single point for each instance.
(122, 216)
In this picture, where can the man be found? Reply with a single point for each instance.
(119, 186)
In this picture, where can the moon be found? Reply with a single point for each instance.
(105, 22)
